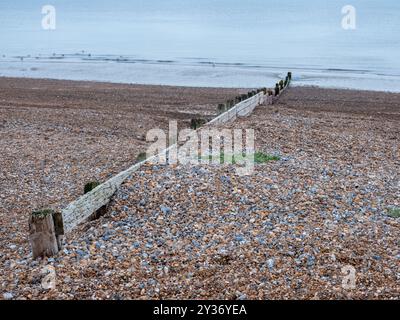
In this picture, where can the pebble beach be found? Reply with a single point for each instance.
(290, 230)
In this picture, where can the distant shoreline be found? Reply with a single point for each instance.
(269, 85)
(201, 72)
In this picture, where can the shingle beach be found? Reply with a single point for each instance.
(290, 230)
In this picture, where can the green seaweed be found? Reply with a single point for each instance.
(42, 213)
(141, 157)
(394, 212)
(197, 123)
(90, 186)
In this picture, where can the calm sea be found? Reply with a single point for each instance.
(230, 43)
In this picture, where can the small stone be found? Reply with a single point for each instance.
(270, 263)
(242, 297)
(149, 245)
(165, 209)
(310, 261)
(225, 179)
(8, 296)
(136, 245)
(239, 238)
(80, 252)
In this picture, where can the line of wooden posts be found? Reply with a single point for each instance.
(46, 226)
(272, 95)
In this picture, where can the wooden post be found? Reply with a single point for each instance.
(277, 89)
(42, 234)
(58, 228)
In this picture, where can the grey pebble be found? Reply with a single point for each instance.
(165, 209)
(8, 296)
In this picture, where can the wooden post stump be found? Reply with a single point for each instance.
(58, 228)
(277, 89)
(44, 239)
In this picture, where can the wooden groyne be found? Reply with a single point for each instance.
(48, 227)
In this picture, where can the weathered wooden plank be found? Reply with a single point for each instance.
(81, 209)
(241, 109)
